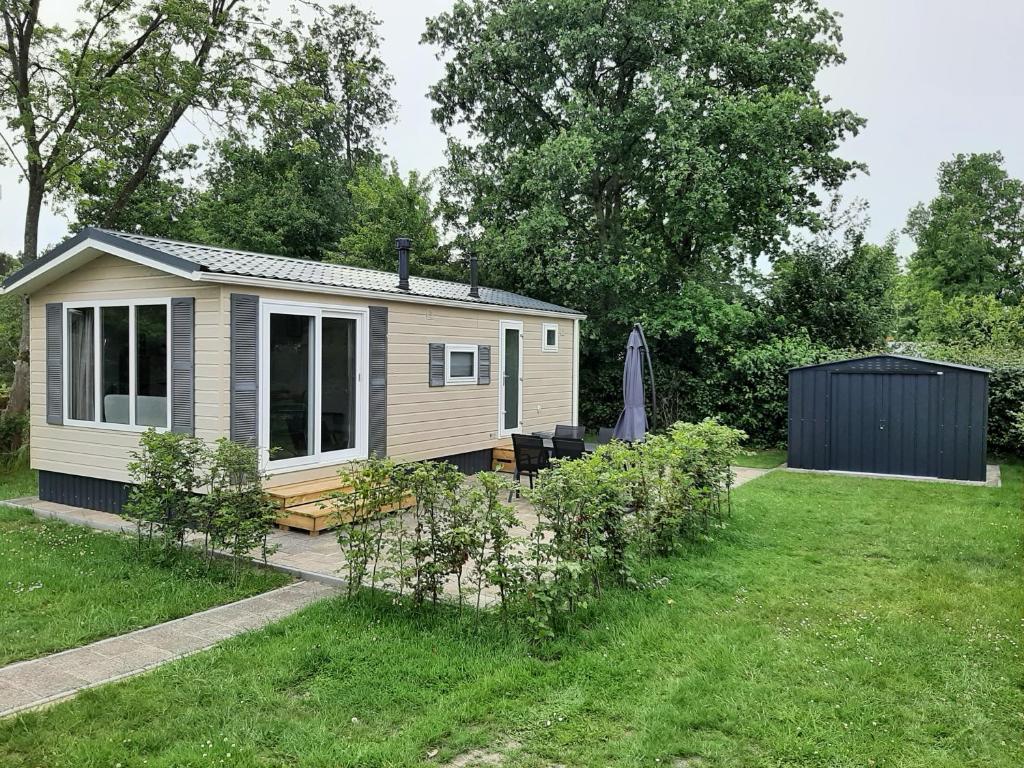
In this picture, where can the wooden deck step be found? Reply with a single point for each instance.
(293, 494)
(504, 459)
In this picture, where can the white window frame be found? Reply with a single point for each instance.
(504, 325)
(318, 312)
(97, 350)
(544, 346)
(456, 380)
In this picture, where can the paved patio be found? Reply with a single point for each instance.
(314, 558)
(37, 682)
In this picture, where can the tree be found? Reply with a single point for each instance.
(385, 206)
(278, 182)
(606, 155)
(970, 238)
(122, 75)
(836, 288)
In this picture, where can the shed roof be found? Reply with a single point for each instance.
(941, 363)
(205, 259)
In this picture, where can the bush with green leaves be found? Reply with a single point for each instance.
(13, 441)
(170, 472)
(167, 470)
(595, 517)
(236, 511)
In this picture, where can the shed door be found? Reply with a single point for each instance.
(885, 422)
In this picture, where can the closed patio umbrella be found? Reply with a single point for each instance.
(632, 423)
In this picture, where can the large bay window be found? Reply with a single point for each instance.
(117, 363)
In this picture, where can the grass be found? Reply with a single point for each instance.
(838, 622)
(62, 586)
(761, 458)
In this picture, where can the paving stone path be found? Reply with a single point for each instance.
(34, 683)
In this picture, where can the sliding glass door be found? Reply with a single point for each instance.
(313, 395)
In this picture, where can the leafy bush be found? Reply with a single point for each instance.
(595, 517)
(13, 441)
(170, 469)
(167, 472)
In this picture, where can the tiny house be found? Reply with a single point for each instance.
(315, 364)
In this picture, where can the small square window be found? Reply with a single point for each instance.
(549, 337)
(460, 364)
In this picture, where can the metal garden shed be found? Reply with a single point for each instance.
(889, 414)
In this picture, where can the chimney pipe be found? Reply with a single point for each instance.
(403, 244)
(474, 287)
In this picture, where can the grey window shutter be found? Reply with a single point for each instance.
(436, 365)
(54, 363)
(377, 440)
(483, 364)
(183, 365)
(245, 323)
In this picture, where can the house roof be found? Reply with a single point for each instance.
(908, 358)
(198, 261)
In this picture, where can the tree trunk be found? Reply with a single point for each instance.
(18, 401)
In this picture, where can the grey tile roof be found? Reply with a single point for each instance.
(242, 263)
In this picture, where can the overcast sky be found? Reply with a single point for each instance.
(932, 77)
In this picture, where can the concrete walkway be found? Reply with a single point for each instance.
(37, 682)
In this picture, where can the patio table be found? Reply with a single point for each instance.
(549, 443)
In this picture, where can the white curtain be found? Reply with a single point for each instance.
(82, 374)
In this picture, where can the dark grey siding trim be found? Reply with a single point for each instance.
(436, 363)
(183, 358)
(472, 462)
(483, 364)
(54, 363)
(377, 441)
(245, 322)
(87, 492)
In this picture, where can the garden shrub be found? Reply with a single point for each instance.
(167, 472)
(13, 441)
(596, 517)
(170, 470)
(236, 514)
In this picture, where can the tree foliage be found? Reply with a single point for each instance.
(970, 238)
(835, 288)
(628, 159)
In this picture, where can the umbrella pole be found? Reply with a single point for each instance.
(650, 369)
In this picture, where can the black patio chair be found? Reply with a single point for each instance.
(568, 448)
(605, 435)
(567, 430)
(531, 457)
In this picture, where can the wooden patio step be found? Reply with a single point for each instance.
(294, 494)
(504, 459)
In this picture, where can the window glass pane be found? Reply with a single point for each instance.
(114, 371)
(460, 364)
(151, 365)
(81, 364)
(338, 385)
(552, 337)
(510, 372)
(291, 341)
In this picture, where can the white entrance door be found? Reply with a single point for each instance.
(510, 378)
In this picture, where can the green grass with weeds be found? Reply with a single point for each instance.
(62, 586)
(837, 622)
(761, 458)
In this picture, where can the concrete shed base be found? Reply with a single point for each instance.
(992, 479)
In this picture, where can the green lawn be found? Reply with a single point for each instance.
(839, 622)
(761, 458)
(62, 586)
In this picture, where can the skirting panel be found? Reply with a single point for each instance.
(86, 492)
(472, 462)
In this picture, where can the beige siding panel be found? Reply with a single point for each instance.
(99, 452)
